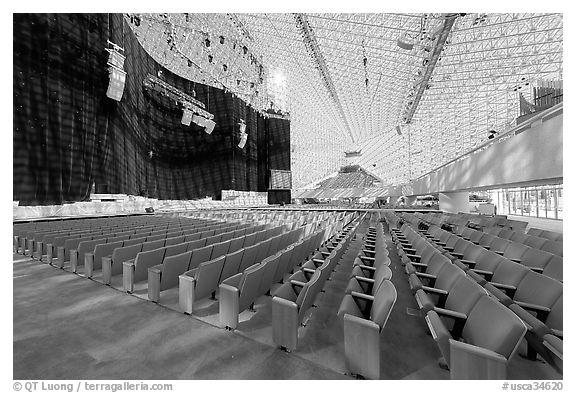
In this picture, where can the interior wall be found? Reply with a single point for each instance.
(535, 155)
(69, 135)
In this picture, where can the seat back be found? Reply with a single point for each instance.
(534, 231)
(153, 245)
(172, 267)
(193, 245)
(489, 261)
(476, 235)
(447, 276)
(553, 247)
(506, 234)
(249, 257)
(231, 264)
(262, 250)
(555, 319)
(384, 301)
(146, 259)
(192, 236)
(220, 249)
(435, 263)
(499, 244)
(176, 249)
(250, 285)
(250, 239)
(134, 240)
(516, 250)
(382, 274)
(307, 295)
(208, 276)
(236, 243)
(271, 265)
(200, 255)
(486, 239)
(493, 326)
(534, 241)
(155, 237)
(124, 254)
(464, 295)
(554, 268)
(175, 240)
(283, 263)
(536, 258)
(102, 250)
(538, 289)
(509, 273)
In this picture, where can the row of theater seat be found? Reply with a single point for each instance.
(476, 335)
(241, 290)
(367, 304)
(167, 263)
(27, 241)
(540, 243)
(62, 242)
(541, 261)
(73, 246)
(292, 301)
(535, 298)
(82, 249)
(471, 220)
(459, 246)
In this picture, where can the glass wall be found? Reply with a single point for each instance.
(536, 201)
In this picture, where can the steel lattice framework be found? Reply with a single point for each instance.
(485, 62)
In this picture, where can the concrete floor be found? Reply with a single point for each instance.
(69, 327)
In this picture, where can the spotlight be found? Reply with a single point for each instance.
(242, 125)
(398, 130)
(222, 39)
(210, 124)
(207, 42)
(186, 117)
(245, 49)
(210, 58)
(243, 139)
(224, 67)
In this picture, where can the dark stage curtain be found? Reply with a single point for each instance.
(69, 135)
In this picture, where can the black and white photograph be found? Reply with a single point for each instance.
(247, 193)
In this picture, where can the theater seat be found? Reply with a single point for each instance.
(199, 283)
(460, 300)
(237, 293)
(362, 330)
(289, 306)
(490, 338)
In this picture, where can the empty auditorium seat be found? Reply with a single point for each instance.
(490, 338)
(362, 330)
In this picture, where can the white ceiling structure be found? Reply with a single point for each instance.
(348, 84)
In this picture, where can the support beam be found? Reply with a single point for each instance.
(429, 68)
(316, 54)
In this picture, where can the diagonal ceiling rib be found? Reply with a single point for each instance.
(316, 54)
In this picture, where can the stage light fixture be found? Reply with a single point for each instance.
(186, 117)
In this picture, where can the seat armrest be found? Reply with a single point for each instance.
(457, 254)
(437, 291)
(517, 260)
(362, 296)
(308, 270)
(508, 289)
(425, 275)
(541, 311)
(501, 253)
(418, 257)
(558, 333)
(536, 269)
(297, 283)
(369, 268)
(488, 275)
(364, 279)
(450, 313)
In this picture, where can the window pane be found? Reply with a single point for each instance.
(559, 200)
